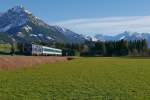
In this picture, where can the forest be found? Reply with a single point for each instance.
(90, 48)
(105, 48)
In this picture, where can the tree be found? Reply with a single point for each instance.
(13, 45)
(145, 48)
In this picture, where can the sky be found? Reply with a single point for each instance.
(90, 16)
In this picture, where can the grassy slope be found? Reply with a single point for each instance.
(85, 78)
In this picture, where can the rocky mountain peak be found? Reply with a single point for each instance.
(19, 9)
(24, 26)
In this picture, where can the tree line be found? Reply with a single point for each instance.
(117, 48)
(105, 48)
(98, 48)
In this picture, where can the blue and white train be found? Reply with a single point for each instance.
(37, 50)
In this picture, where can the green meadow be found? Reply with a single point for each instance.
(79, 79)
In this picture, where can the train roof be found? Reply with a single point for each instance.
(51, 48)
(47, 47)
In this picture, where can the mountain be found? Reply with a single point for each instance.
(22, 25)
(5, 38)
(104, 37)
(70, 35)
(89, 38)
(0, 14)
(125, 36)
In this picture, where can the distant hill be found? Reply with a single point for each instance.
(23, 26)
(125, 36)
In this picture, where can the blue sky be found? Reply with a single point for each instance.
(90, 16)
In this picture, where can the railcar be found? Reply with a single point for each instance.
(38, 50)
(51, 51)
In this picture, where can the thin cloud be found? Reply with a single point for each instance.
(108, 25)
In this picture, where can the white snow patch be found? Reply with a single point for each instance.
(37, 18)
(40, 35)
(61, 29)
(50, 38)
(95, 39)
(20, 34)
(27, 28)
(28, 12)
(6, 28)
(88, 37)
(122, 37)
(33, 35)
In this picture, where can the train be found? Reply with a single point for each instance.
(39, 50)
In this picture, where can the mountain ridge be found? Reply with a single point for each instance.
(125, 36)
(22, 25)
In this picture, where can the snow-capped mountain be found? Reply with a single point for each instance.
(89, 38)
(70, 35)
(14, 17)
(103, 37)
(22, 25)
(125, 36)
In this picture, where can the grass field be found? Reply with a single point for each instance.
(80, 79)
